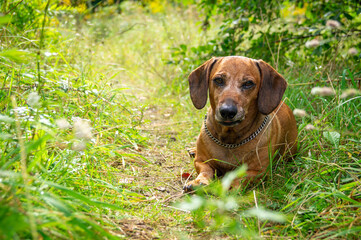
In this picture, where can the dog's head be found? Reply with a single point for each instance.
(237, 86)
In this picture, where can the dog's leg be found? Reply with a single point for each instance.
(206, 173)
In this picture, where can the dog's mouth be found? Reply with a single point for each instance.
(230, 123)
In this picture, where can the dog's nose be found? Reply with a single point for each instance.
(228, 111)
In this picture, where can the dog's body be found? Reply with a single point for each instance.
(242, 93)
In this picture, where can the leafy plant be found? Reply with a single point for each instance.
(53, 180)
(288, 33)
(217, 208)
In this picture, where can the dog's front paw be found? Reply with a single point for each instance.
(192, 152)
(190, 186)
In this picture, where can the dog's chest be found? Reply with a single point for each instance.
(253, 153)
(229, 159)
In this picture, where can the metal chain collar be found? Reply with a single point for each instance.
(244, 141)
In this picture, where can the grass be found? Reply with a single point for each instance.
(125, 75)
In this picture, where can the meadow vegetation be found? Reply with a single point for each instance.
(95, 120)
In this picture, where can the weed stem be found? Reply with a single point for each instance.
(24, 171)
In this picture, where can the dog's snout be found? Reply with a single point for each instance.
(228, 111)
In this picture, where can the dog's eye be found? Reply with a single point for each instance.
(248, 85)
(218, 81)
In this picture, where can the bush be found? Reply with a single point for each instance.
(291, 33)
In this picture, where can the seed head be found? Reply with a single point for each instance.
(312, 44)
(33, 100)
(82, 129)
(310, 127)
(62, 123)
(352, 51)
(333, 24)
(299, 112)
(349, 93)
(322, 91)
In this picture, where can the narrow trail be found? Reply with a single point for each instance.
(155, 170)
(169, 121)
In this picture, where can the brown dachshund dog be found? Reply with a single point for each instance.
(246, 123)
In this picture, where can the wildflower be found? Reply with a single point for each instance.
(349, 93)
(313, 43)
(49, 54)
(62, 123)
(310, 127)
(322, 91)
(82, 129)
(352, 51)
(299, 112)
(33, 99)
(126, 180)
(333, 24)
(44, 120)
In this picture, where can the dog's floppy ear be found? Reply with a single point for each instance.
(198, 83)
(272, 88)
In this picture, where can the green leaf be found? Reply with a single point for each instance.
(264, 214)
(346, 198)
(15, 55)
(194, 203)
(5, 19)
(56, 203)
(11, 221)
(231, 176)
(4, 118)
(332, 138)
(83, 198)
(5, 136)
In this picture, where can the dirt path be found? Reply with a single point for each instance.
(155, 171)
(158, 90)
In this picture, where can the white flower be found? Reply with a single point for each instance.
(313, 43)
(62, 123)
(45, 121)
(349, 93)
(352, 51)
(82, 129)
(64, 84)
(333, 24)
(299, 112)
(33, 99)
(310, 127)
(49, 54)
(323, 91)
